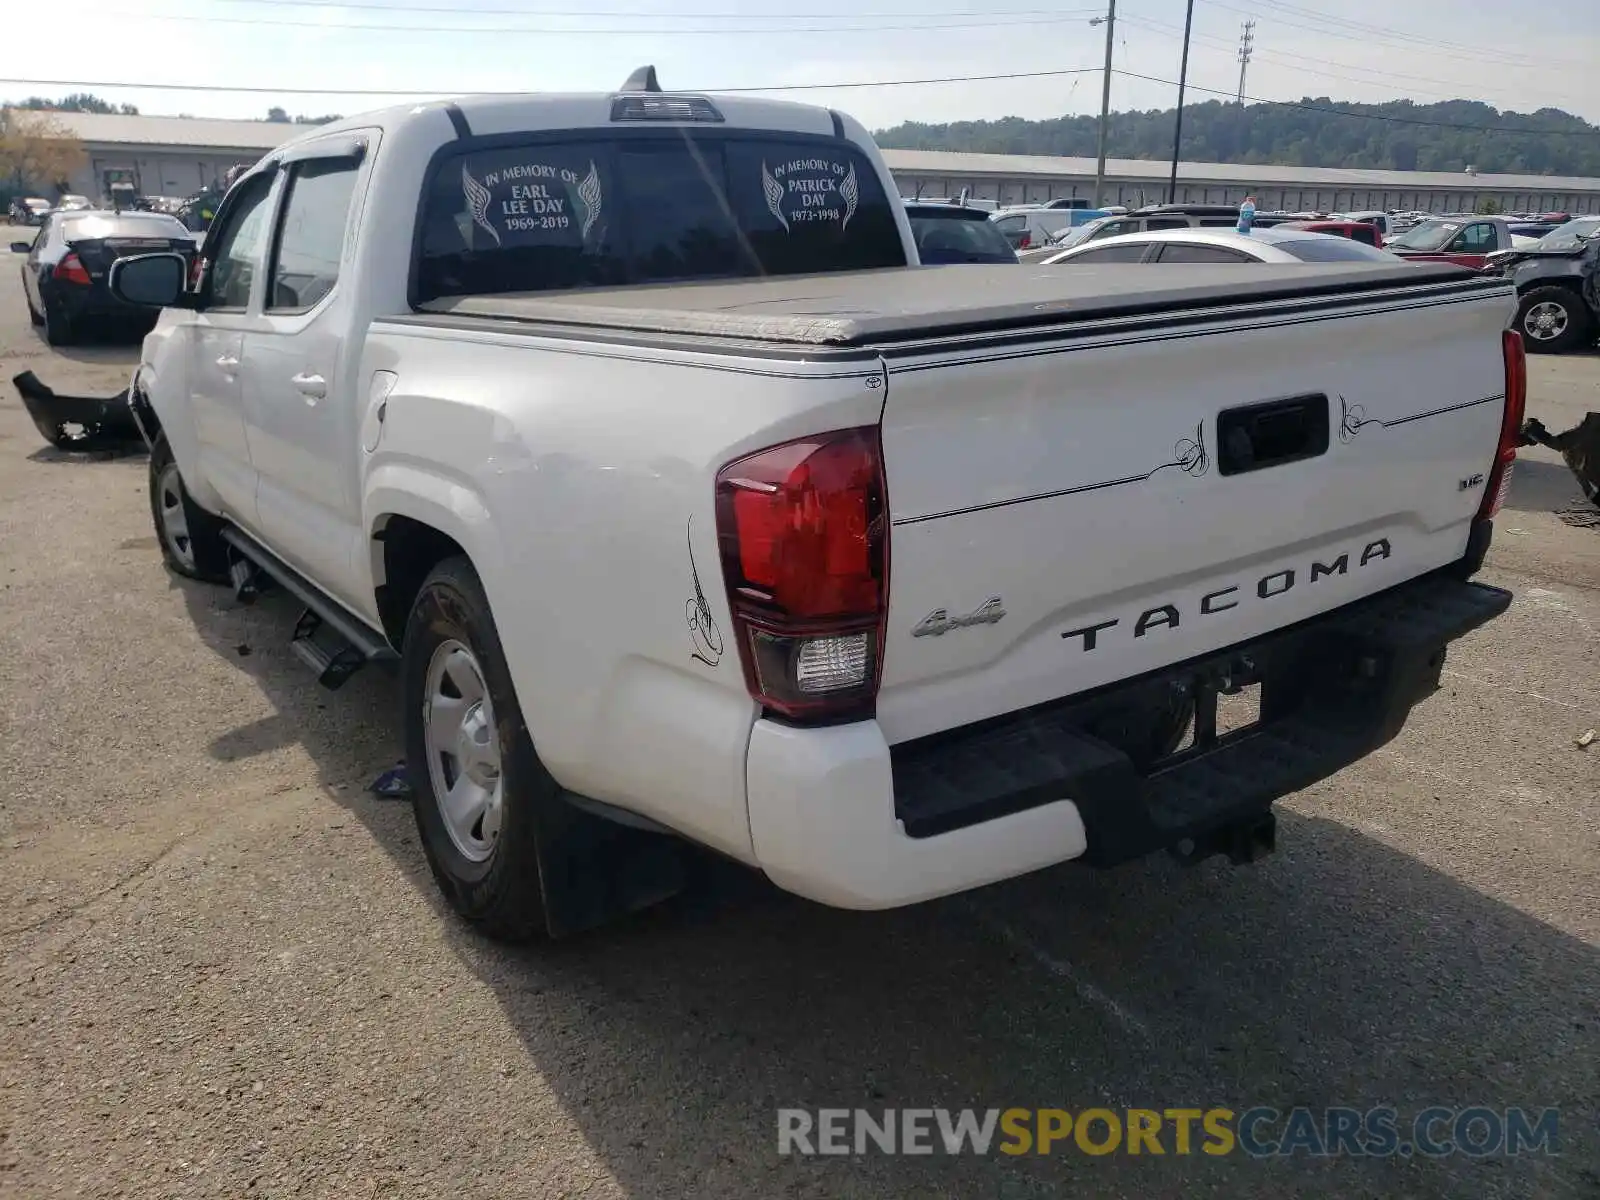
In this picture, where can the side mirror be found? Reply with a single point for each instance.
(149, 280)
(21, 247)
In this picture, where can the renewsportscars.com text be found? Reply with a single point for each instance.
(1382, 1132)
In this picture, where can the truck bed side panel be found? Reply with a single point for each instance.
(580, 480)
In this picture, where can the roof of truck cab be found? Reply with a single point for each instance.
(536, 111)
(915, 303)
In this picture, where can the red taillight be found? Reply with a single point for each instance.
(1499, 482)
(1027, 241)
(70, 270)
(197, 272)
(803, 530)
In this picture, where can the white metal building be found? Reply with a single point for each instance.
(176, 156)
(1018, 179)
(169, 156)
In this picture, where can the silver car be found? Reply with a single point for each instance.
(1221, 246)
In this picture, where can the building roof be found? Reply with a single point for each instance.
(119, 130)
(261, 136)
(942, 162)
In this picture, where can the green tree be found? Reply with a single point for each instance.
(1546, 142)
(77, 102)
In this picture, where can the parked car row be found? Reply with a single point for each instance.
(32, 210)
(1555, 310)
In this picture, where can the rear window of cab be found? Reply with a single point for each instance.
(540, 214)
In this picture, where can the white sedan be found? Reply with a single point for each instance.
(1196, 245)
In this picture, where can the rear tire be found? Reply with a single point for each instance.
(477, 783)
(190, 537)
(58, 327)
(1553, 319)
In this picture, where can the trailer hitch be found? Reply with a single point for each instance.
(1244, 841)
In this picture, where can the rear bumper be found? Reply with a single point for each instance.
(76, 301)
(841, 817)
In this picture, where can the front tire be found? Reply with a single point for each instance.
(190, 537)
(1553, 319)
(34, 318)
(477, 783)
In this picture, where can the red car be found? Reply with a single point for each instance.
(1359, 231)
(1465, 241)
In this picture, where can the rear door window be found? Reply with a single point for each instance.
(540, 215)
(1194, 252)
(1127, 252)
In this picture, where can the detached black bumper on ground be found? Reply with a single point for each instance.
(1332, 690)
(79, 422)
(1578, 446)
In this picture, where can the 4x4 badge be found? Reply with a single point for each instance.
(939, 621)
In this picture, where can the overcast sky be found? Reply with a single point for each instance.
(1507, 55)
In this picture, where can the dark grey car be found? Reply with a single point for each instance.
(1557, 305)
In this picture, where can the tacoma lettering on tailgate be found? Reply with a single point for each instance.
(1170, 614)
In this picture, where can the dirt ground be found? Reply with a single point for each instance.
(227, 973)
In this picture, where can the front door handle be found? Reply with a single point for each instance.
(312, 387)
(228, 363)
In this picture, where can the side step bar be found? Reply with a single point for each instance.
(328, 638)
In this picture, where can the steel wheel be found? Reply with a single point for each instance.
(174, 519)
(1546, 321)
(463, 749)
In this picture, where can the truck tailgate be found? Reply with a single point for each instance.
(1074, 510)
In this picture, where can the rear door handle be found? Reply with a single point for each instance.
(312, 387)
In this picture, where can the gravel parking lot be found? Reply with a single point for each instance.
(227, 972)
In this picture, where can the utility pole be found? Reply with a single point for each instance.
(1177, 122)
(1247, 41)
(1110, 21)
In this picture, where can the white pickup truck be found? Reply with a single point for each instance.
(694, 510)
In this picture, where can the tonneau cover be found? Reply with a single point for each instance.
(915, 303)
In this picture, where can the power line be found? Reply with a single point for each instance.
(398, 10)
(1283, 56)
(289, 91)
(1365, 36)
(807, 87)
(1430, 41)
(590, 31)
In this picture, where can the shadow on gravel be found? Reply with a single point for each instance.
(50, 456)
(1338, 972)
(1542, 485)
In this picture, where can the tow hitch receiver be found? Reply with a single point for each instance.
(1243, 842)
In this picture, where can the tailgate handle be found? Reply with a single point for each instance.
(1254, 437)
